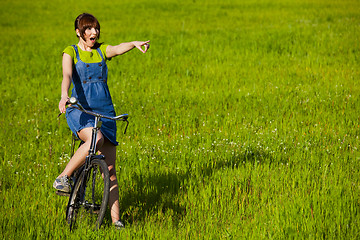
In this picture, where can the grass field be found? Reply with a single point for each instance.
(244, 118)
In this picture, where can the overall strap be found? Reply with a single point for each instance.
(77, 52)
(100, 53)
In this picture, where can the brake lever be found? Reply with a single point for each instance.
(127, 124)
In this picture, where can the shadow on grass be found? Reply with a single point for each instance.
(160, 192)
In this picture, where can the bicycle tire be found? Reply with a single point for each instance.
(89, 199)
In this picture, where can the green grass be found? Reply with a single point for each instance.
(244, 118)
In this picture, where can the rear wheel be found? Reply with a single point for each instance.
(89, 197)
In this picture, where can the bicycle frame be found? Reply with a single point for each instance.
(92, 150)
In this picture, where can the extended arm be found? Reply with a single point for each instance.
(67, 65)
(113, 51)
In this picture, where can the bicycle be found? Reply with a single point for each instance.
(90, 190)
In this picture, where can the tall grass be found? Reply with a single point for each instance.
(244, 118)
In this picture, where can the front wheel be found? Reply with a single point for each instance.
(89, 197)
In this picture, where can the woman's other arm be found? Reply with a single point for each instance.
(67, 65)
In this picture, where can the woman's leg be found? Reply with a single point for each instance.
(79, 157)
(109, 151)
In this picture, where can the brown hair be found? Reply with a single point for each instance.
(84, 21)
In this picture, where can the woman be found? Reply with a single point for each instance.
(84, 64)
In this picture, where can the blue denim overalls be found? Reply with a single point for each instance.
(91, 90)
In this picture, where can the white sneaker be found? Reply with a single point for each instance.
(119, 225)
(62, 184)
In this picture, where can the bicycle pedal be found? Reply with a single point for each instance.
(60, 193)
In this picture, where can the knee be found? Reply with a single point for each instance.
(99, 142)
(86, 136)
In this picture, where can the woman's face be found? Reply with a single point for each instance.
(90, 36)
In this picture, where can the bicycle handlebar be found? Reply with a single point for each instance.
(74, 103)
